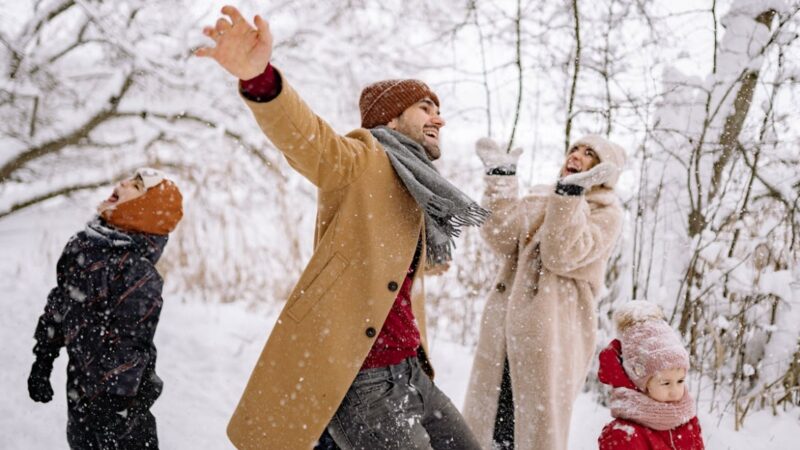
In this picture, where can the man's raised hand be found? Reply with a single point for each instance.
(241, 49)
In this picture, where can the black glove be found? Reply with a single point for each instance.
(39, 387)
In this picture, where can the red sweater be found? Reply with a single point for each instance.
(399, 338)
(626, 435)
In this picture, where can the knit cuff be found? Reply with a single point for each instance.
(503, 170)
(263, 88)
(568, 189)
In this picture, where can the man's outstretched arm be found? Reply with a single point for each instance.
(309, 144)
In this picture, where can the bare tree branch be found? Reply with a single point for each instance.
(66, 190)
(69, 139)
(573, 88)
(518, 27)
(735, 121)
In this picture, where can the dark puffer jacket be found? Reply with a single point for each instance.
(105, 309)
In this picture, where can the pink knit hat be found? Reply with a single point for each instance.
(649, 344)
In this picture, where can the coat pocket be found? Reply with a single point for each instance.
(305, 300)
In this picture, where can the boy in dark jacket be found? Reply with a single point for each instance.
(104, 310)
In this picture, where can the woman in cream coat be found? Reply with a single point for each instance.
(538, 328)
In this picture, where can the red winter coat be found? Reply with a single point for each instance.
(624, 434)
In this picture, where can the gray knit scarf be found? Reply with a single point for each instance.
(446, 208)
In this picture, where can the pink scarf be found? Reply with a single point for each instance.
(637, 407)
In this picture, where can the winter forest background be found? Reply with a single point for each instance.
(702, 94)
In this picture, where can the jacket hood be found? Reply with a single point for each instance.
(611, 371)
(149, 246)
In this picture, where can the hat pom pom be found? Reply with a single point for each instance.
(150, 177)
(636, 311)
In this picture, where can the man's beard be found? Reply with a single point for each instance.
(432, 150)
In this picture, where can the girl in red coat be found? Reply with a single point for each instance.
(646, 367)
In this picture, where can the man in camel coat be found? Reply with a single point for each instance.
(538, 328)
(347, 356)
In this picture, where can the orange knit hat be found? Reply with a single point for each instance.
(157, 211)
(383, 101)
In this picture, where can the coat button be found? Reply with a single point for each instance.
(392, 286)
(370, 332)
(501, 287)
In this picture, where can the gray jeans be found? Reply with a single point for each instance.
(398, 407)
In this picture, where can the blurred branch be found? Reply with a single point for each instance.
(735, 120)
(52, 194)
(238, 138)
(79, 40)
(773, 191)
(32, 126)
(71, 138)
(573, 88)
(31, 31)
(66, 190)
(518, 22)
(606, 69)
(484, 74)
(716, 34)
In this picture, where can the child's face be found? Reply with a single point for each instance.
(124, 191)
(667, 385)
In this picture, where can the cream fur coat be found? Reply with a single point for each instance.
(542, 310)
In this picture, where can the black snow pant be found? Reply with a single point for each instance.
(110, 425)
(503, 436)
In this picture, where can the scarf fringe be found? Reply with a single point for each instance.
(439, 206)
(440, 254)
(473, 216)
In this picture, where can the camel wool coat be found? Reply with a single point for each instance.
(542, 310)
(367, 229)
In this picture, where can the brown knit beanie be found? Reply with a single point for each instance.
(157, 211)
(383, 101)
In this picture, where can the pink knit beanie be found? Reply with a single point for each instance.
(649, 344)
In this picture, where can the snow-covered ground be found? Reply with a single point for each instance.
(205, 355)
